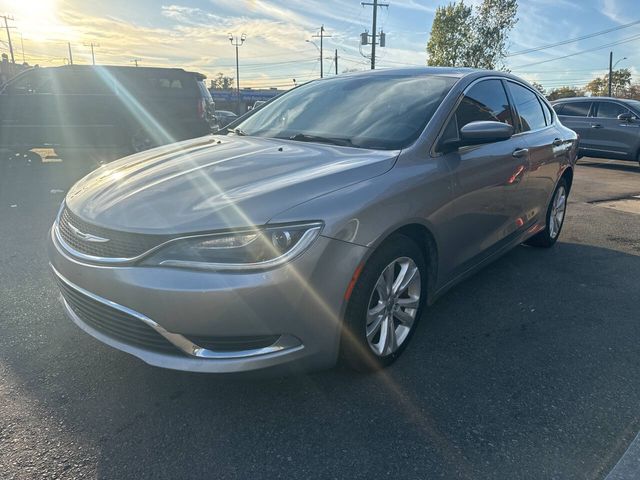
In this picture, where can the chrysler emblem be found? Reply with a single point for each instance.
(87, 237)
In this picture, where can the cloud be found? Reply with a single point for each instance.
(613, 11)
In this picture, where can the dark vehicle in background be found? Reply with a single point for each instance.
(608, 127)
(224, 117)
(102, 107)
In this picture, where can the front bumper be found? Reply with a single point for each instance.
(300, 304)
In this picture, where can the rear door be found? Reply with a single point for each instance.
(613, 137)
(576, 116)
(482, 214)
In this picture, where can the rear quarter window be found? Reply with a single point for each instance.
(164, 84)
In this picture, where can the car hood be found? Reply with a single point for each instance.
(217, 182)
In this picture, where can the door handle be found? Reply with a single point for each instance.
(557, 142)
(520, 152)
(596, 125)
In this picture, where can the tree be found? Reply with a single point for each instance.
(464, 36)
(222, 82)
(450, 35)
(564, 92)
(632, 92)
(620, 82)
(538, 86)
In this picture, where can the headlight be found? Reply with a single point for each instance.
(246, 250)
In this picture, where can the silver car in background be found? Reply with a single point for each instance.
(319, 228)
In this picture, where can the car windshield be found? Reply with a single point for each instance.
(385, 112)
(635, 104)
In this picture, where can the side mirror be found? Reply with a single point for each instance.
(476, 133)
(626, 117)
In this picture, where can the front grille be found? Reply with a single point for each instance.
(119, 244)
(114, 323)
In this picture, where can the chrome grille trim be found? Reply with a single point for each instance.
(113, 247)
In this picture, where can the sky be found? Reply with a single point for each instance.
(193, 34)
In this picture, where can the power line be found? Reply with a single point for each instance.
(571, 40)
(601, 47)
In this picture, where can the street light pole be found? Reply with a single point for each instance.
(237, 43)
(611, 67)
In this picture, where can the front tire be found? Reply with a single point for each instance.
(556, 213)
(385, 305)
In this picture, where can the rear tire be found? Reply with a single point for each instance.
(556, 212)
(385, 305)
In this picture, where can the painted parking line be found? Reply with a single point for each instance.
(628, 467)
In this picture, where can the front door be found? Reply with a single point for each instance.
(613, 137)
(485, 179)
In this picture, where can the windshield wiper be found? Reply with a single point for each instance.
(303, 137)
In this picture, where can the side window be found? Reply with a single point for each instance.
(486, 100)
(528, 106)
(86, 82)
(610, 110)
(575, 109)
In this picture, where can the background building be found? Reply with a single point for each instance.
(228, 99)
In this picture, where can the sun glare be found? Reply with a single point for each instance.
(37, 19)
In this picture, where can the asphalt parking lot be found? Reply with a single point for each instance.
(529, 369)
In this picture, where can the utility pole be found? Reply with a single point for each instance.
(336, 61)
(22, 45)
(136, 60)
(93, 56)
(610, 70)
(6, 26)
(70, 55)
(375, 6)
(237, 43)
(321, 37)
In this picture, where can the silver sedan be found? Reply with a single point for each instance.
(316, 229)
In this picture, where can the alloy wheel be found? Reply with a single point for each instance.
(558, 209)
(393, 306)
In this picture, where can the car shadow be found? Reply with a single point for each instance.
(510, 367)
(629, 166)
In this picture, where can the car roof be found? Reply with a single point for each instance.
(589, 99)
(458, 72)
(123, 68)
(469, 74)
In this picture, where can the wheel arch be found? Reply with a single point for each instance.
(426, 241)
(568, 176)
